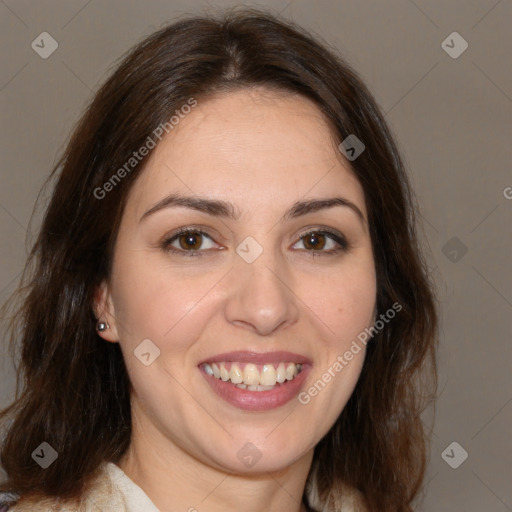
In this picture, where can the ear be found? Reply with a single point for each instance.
(104, 310)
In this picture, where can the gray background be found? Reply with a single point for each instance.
(452, 118)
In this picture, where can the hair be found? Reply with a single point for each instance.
(75, 388)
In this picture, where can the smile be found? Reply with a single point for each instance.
(256, 381)
(251, 376)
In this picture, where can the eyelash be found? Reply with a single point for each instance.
(166, 243)
(338, 238)
(343, 245)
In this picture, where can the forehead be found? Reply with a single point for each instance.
(250, 147)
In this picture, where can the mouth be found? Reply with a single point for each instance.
(251, 376)
(254, 381)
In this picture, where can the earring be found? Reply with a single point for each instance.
(102, 326)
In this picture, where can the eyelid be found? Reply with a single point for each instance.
(187, 229)
(335, 235)
(169, 238)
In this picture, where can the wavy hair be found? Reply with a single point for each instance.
(75, 391)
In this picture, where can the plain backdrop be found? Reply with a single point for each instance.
(451, 111)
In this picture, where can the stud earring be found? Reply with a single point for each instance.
(102, 326)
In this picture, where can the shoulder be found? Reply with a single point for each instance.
(27, 504)
(344, 498)
(101, 495)
(354, 501)
(349, 500)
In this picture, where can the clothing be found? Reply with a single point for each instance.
(112, 491)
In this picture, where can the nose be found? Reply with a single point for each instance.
(262, 297)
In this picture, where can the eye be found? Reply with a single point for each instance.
(322, 242)
(189, 241)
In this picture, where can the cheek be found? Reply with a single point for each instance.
(158, 302)
(345, 309)
(345, 303)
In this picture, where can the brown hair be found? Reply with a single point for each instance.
(76, 391)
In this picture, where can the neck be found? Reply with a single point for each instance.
(175, 480)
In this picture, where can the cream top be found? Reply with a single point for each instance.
(113, 491)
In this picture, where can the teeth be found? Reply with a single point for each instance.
(260, 388)
(291, 371)
(224, 374)
(236, 375)
(268, 375)
(281, 373)
(250, 377)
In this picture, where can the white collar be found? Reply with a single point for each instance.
(133, 497)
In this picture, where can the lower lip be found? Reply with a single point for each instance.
(258, 400)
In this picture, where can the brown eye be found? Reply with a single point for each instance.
(314, 241)
(322, 242)
(190, 241)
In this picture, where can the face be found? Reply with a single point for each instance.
(243, 251)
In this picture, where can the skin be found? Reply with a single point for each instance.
(262, 151)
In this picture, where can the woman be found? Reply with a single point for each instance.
(226, 305)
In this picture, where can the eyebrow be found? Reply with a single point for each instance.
(314, 205)
(227, 210)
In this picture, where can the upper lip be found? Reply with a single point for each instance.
(245, 356)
